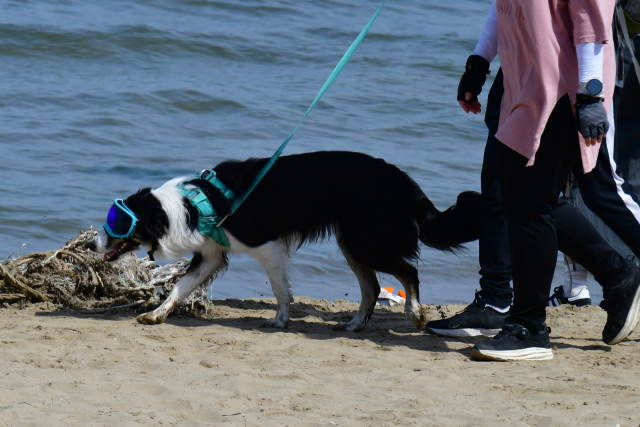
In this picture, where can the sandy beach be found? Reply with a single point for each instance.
(63, 367)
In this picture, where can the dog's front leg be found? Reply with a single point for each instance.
(272, 256)
(200, 270)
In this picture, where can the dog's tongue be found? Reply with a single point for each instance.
(111, 254)
(108, 256)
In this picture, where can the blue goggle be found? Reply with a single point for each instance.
(121, 221)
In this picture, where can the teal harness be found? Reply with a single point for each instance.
(208, 221)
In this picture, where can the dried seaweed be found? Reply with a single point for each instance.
(76, 278)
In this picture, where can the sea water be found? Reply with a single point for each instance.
(99, 99)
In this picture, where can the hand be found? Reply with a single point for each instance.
(469, 105)
(592, 119)
(471, 83)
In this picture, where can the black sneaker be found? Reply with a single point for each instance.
(515, 343)
(623, 306)
(558, 298)
(475, 320)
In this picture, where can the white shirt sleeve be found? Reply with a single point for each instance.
(590, 61)
(488, 44)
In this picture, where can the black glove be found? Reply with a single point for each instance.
(473, 78)
(591, 116)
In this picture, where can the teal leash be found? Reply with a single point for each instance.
(345, 58)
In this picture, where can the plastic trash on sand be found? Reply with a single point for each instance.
(386, 297)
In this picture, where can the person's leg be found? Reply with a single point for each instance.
(603, 192)
(574, 290)
(529, 194)
(579, 239)
(495, 255)
(487, 313)
(586, 249)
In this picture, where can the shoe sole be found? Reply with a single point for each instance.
(576, 303)
(580, 302)
(532, 353)
(463, 333)
(632, 320)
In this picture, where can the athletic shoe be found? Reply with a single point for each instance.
(623, 306)
(558, 298)
(475, 320)
(515, 343)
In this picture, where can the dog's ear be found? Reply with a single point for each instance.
(153, 221)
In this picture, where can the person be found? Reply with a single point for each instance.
(576, 236)
(609, 197)
(539, 144)
(487, 313)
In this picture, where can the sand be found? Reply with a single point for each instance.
(63, 367)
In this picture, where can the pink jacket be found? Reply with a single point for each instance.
(536, 45)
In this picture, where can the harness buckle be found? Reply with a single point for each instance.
(206, 174)
(193, 194)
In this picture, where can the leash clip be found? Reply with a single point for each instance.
(205, 174)
(223, 220)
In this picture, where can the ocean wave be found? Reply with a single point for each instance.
(119, 42)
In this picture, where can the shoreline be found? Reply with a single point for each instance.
(67, 367)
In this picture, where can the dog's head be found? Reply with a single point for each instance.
(147, 224)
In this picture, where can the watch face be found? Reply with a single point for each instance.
(594, 87)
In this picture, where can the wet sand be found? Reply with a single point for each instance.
(62, 367)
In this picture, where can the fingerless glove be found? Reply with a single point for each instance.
(591, 116)
(473, 78)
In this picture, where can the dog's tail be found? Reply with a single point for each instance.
(459, 224)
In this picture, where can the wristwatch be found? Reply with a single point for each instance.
(593, 87)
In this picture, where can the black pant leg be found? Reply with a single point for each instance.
(600, 192)
(580, 240)
(495, 256)
(529, 195)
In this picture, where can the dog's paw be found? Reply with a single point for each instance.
(150, 319)
(349, 326)
(275, 323)
(418, 317)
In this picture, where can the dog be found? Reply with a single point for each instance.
(377, 213)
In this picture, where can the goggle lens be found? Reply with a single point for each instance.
(118, 220)
(121, 221)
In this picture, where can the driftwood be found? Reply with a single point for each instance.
(76, 278)
(11, 297)
(22, 287)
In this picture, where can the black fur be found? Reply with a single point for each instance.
(195, 262)
(378, 211)
(458, 224)
(153, 220)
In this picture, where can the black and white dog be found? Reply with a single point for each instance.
(377, 213)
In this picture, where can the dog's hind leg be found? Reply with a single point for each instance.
(273, 256)
(412, 308)
(370, 289)
(202, 268)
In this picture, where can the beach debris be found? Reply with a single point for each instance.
(76, 278)
(387, 298)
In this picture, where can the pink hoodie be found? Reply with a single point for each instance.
(536, 45)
